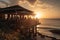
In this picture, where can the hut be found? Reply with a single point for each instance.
(17, 17)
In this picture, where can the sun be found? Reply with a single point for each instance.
(38, 15)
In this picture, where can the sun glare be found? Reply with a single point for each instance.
(38, 15)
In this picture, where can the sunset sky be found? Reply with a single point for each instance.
(48, 8)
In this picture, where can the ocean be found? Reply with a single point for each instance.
(47, 25)
(50, 22)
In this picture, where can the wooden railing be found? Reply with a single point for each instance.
(18, 29)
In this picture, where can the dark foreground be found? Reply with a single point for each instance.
(11, 30)
(14, 30)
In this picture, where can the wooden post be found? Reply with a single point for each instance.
(8, 16)
(3, 16)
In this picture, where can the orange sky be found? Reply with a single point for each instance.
(48, 8)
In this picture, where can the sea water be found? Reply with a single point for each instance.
(49, 24)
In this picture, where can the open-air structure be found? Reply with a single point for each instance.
(17, 18)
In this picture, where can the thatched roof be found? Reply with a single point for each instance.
(14, 9)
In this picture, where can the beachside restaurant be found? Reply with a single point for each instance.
(17, 21)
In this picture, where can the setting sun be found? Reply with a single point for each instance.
(38, 15)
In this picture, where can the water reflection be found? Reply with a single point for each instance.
(45, 30)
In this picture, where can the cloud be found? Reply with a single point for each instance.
(37, 4)
(43, 4)
(9, 2)
(51, 2)
(2, 5)
(31, 1)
